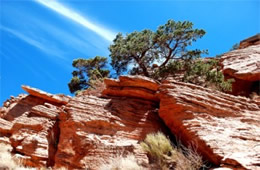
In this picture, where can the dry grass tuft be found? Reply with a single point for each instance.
(167, 156)
(122, 163)
(157, 145)
(6, 159)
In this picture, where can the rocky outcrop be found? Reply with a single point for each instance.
(84, 131)
(132, 86)
(243, 65)
(224, 128)
(96, 130)
(5, 126)
(58, 99)
(254, 40)
(30, 123)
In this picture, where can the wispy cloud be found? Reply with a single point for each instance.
(30, 40)
(23, 37)
(76, 17)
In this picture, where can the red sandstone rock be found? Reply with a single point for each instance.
(31, 123)
(92, 130)
(96, 130)
(5, 127)
(87, 131)
(46, 96)
(225, 128)
(131, 92)
(47, 110)
(254, 40)
(133, 81)
(242, 64)
(10, 103)
(132, 86)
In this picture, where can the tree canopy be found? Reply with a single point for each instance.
(155, 54)
(141, 50)
(87, 72)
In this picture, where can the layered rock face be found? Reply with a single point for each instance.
(29, 124)
(223, 128)
(254, 40)
(132, 86)
(244, 66)
(84, 131)
(95, 130)
(88, 131)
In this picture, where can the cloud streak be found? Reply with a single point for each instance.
(33, 42)
(24, 38)
(76, 17)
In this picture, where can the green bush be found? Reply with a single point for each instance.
(205, 73)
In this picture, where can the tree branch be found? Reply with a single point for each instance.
(170, 53)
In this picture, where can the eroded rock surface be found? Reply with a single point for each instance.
(30, 123)
(84, 131)
(254, 40)
(224, 128)
(243, 65)
(132, 86)
(58, 99)
(87, 131)
(96, 130)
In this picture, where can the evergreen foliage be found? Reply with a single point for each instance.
(157, 55)
(143, 49)
(87, 72)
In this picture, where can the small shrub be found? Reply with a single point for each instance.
(160, 149)
(205, 73)
(122, 163)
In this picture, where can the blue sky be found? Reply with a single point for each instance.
(40, 38)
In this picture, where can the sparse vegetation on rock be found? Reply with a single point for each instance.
(168, 156)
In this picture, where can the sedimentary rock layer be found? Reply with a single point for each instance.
(80, 132)
(224, 128)
(132, 86)
(95, 130)
(30, 123)
(243, 63)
